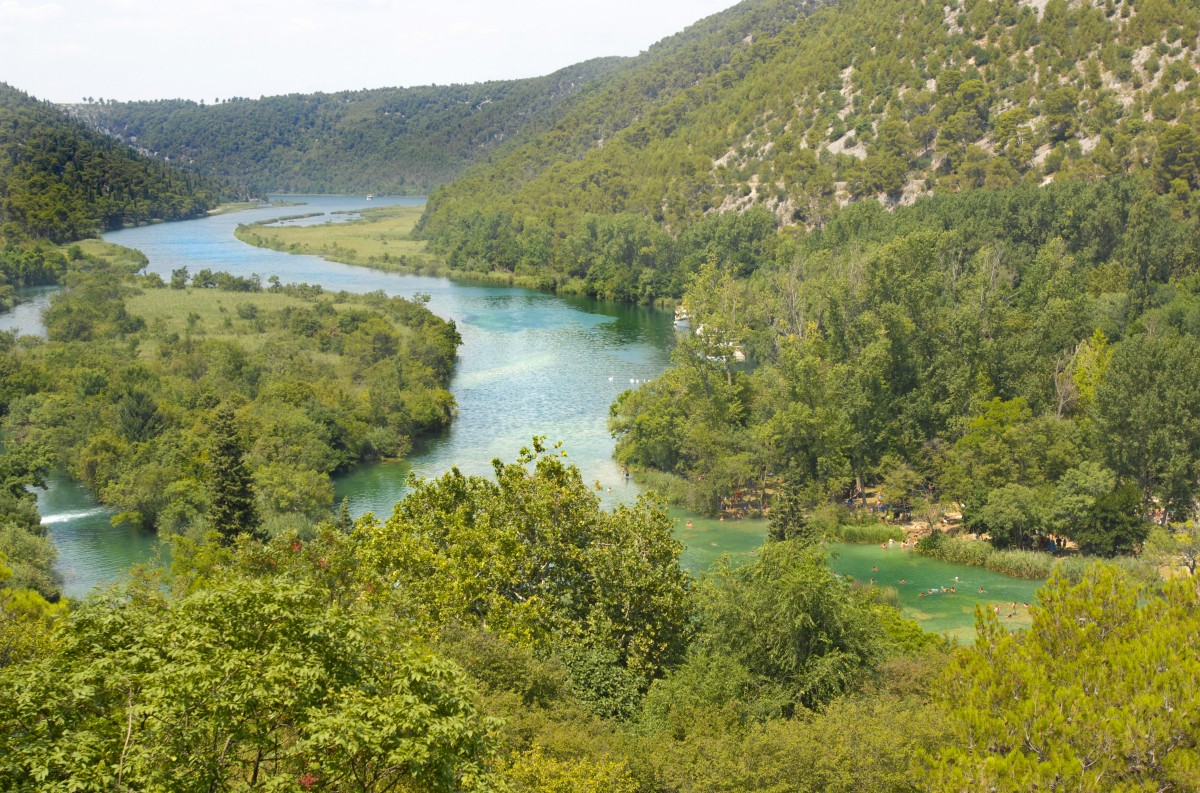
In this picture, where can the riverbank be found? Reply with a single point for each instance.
(382, 239)
(532, 363)
(1027, 564)
(841, 524)
(242, 206)
(940, 595)
(946, 543)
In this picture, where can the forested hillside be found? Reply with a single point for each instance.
(386, 140)
(1026, 353)
(61, 181)
(879, 99)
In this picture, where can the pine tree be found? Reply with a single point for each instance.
(232, 512)
(789, 518)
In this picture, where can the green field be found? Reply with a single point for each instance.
(382, 238)
(236, 206)
(216, 314)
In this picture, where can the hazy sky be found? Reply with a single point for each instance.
(64, 50)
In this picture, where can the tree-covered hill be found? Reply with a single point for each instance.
(801, 112)
(61, 181)
(386, 140)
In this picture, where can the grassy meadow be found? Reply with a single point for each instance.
(117, 255)
(382, 238)
(215, 314)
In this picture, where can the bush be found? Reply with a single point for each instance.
(865, 533)
(838, 523)
(1030, 565)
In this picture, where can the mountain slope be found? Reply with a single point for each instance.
(62, 181)
(387, 140)
(861, 98)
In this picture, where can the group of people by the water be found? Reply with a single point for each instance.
(940, 591)
(884, 512)
(951, 588)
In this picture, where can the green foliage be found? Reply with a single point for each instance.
(789, 518)
(855, 743)
(27, 620)
(1033, 565)
(532, 557)
(865, 533)
(61, 181)
(1147, 409)
(243, 683)
(28, 550)
(899, 482)
(31, 555)
(26, 262)
(1176, 545)
(1012, 515)
(533, 772)
(231, 498)
(124, 392)
(385, 140)
(1100, 516)
(788, 619)
(1094, 696)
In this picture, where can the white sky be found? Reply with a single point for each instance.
(64, 50)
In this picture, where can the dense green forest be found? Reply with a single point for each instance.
(799, 113)
(404, 141)
(1029, 353)
(61, 181)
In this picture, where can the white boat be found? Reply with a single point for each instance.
(370, 196)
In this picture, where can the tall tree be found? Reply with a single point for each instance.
(1148, 413)
(532, 557)
(230, 483)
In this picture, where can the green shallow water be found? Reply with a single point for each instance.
(949, 613)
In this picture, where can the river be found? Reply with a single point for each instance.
(531, 363)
